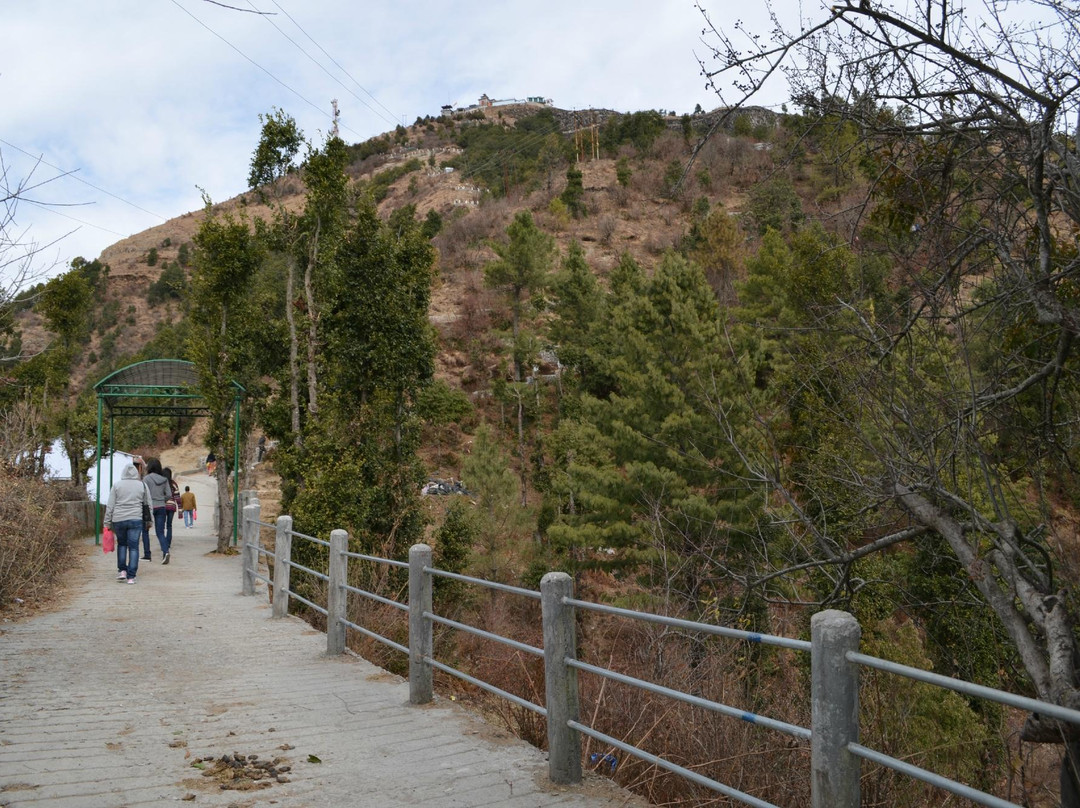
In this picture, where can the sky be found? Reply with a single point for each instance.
(116, 112)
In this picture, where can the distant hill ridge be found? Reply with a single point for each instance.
(570, 120)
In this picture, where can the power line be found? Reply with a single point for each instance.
(73, 176)
(51, 209)
(392, 120)
(256, 64)
(501, 157)
(336, 63)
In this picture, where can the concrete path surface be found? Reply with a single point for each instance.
(126, 695)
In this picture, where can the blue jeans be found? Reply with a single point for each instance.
(146, 541)
(169, 514)
(127, 545)
(188, 520)
(159, 529)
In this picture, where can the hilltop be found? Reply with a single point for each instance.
(640, 218)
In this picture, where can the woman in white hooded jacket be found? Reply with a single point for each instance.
(124, 515)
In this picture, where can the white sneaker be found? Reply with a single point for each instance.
(122, 575)
(131, 580)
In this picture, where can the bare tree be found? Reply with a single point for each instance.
(21, 264)
(958, 408)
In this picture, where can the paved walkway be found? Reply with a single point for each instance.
(110, 700)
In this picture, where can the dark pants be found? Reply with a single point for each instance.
(170, 514)
(146, 540)
(159, 529)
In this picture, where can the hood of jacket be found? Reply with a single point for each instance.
(129, 473)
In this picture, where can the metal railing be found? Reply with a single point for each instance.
(833, 735)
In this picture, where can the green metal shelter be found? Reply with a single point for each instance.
(158, 387)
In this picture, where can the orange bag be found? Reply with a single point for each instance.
(108, 541)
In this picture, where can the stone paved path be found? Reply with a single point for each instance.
(107, 702)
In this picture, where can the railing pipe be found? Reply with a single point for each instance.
(282, 565)
(705, 704)
(336, 596)
(834, 710)
(1043, 708)
(249, 536)
(561, 680)
(421, 642)
(835, 661)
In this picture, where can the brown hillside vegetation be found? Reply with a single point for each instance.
(640, 220)
(632, 209)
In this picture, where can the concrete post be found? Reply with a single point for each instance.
(336, 596)
(834, 722)
(560, 644)
(249, 554)
(420, 628)
(282, 565)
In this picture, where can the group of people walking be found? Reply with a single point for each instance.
(145, 494)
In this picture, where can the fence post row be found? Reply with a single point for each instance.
(835, 771)
(336, 596)
(561, 683)
(834, 722)
(249, 535)
(282, 565)
(420, 628)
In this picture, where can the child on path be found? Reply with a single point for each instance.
(188, 506)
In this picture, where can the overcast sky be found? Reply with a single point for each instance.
(140, 102)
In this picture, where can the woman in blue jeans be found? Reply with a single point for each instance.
(160, 491)
(124, 514)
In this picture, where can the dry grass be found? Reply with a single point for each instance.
(32, 539)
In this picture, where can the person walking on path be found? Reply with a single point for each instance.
(124, 515)
(140, 466)
(188, 506)
(160, 491)
(171, 504)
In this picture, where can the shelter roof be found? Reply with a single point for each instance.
(172, 385)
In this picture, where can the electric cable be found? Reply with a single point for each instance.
(77, 178)
(51, 209)
(323, 69)
(297, 93)
(393, 118)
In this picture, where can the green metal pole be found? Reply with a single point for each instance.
(112, 422)
(236, 471)
(97, 480)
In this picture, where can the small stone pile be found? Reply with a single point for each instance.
(238, 772)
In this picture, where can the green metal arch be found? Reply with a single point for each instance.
(172, 385)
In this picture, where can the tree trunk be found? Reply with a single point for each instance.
(75, 458)
(521, 448)
(225, 514)
(294, 360)
(1070, 776)
(515, 321)
(309, 292)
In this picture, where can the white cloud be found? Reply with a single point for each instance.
(145, 102)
